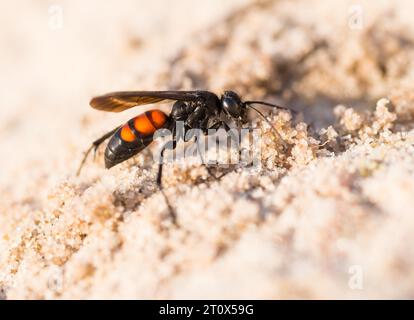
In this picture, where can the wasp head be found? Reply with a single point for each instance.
(233, 106)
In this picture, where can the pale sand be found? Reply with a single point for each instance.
(330, 218)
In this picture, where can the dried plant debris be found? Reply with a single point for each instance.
(328, 217)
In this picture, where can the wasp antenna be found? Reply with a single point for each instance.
(269, 105)
(274, 130)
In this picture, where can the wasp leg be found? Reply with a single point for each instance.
(235, 139)
(218, 125)
(203, 162)
(159, 178)
(95, 146)
(232, 135)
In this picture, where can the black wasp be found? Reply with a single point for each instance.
(197, 109)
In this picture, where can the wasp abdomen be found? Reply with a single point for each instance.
(148, 122)
(134, 136)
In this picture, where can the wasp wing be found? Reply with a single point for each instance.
(123, 100)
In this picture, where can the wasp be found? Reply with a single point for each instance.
(198, 109)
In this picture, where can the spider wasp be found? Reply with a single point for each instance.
(197, 109)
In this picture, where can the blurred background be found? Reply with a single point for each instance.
(56, 55)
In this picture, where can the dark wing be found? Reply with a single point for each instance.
(122, 100)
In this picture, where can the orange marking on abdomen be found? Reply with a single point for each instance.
(148, 122)
(127, 134)
(158, 118)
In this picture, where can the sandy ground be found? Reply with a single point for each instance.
(331, 217)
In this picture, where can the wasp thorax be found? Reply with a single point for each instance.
(179, 111)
